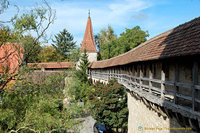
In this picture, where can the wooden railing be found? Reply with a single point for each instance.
(157, 95)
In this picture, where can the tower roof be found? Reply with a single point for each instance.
(88, 40)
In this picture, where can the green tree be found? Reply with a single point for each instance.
(64, 43)
(81, 73)
(103, 38)
(116, 46)
(32, 106)
(133, 37)
(49, 54)
(34, 22)
(109, 104)
(74, 55)
(28, 41)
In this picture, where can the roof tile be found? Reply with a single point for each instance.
(181, 41)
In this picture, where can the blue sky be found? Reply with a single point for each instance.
(156, 16)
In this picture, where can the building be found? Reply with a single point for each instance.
(51, 66)
(10, 57)
(88, 42)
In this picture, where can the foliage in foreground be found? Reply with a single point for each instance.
(78, 91)
(81, 73)
(109, 105)
(35, 107)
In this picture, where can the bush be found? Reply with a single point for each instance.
(29, 107)
(109, 104)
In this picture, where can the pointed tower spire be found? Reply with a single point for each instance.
(89, 14)
(88, 40)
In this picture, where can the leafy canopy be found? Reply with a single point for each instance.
(49, 54)
(111, 46)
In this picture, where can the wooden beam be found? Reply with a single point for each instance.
(141, 76)
(194, 82)
(162, 82)
(176, 78)
(150, 78)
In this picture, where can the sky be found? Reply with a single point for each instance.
(154, 16)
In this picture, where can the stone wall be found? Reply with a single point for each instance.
(92, 57)
(144, 120)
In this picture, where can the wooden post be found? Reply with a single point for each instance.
(194, 82)
(176, 78)
(135, 80)
(162, 82)
(141, 75)
(150, 78)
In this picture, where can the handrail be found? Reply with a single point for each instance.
(134, 84)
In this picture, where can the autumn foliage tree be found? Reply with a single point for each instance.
(109, 104)
(49, 54)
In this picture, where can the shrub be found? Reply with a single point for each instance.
(109, 104)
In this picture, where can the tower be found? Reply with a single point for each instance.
(88, 42)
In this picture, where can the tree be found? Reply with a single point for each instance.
(27, 41)
(49, 54)
(109, 104)
(133, 37)
(81, 73)
(127, 40)
(104, 37)
(64, 43)
(74, 55)
(32, 106)
(36, 22)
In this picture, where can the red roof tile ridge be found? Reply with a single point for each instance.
(164, 45)
(141, 45)
(47, 62)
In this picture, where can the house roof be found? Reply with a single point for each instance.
(182, 40)
(11, 55)
(88, 40)
(53, 65)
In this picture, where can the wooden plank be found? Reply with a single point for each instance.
(162, 82)
(150, 78)
(176, 78)
(141, 76)
(156, 89)
(184, 97)
(184, 85)
(156, 81)
(197, 100)
(197, 87)
(168, 82)
(169, 92)
(194, 82)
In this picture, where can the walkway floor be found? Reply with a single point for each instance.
(87, 126)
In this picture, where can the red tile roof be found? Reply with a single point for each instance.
(183, 40)
(11, 55)
(53, 65)
(88, 40)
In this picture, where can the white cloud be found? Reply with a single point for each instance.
(73, 15)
